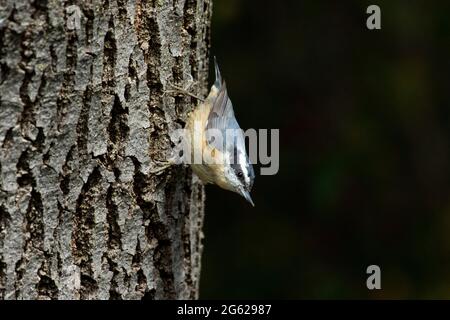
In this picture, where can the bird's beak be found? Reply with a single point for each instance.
(247, 197)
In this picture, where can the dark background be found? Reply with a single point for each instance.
(364, 151)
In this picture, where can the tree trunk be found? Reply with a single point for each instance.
(84, 119)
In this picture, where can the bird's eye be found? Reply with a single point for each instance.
(240, 174)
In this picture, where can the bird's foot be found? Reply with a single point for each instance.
(177, 89)
(162, 166)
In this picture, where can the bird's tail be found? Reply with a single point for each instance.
(218, 82)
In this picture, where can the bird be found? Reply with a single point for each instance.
(213, 132)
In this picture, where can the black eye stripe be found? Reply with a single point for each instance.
(239, 172)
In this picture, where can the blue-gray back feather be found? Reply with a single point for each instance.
(221, 117)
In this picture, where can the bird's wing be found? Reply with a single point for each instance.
(221, 117)
(221, 112)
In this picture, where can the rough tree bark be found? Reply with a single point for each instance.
(84, 118)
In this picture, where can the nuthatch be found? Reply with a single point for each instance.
(208, 127)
